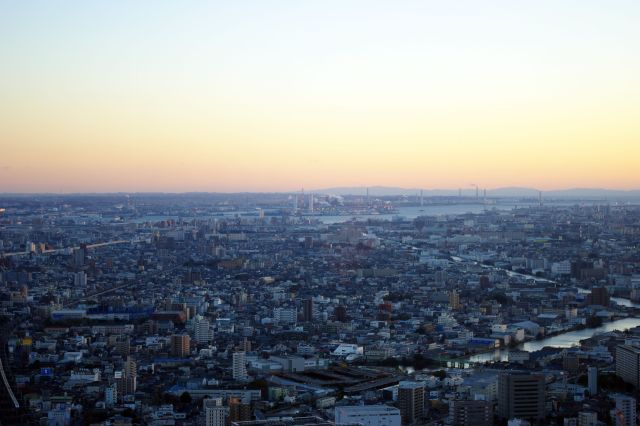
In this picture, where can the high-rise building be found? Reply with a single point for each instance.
(180, 345)
(239, 366)
(78, 257)
(411, 401)
(307, 310)
(625, 411)
(521, 396)
(454, 300)
(126, 379)
(203, 331)
(471, 413)
(628, 364)
(215, 414)
(367, 415)
(131, 373)
(592, 377)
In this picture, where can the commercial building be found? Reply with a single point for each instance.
(367, 415)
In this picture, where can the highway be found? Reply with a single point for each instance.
(89, 246)
(7, 385)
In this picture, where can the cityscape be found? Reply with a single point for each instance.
(330, 213)
(302, 309)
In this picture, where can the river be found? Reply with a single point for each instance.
(564, 340)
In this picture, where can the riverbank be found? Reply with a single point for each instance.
(563, 340)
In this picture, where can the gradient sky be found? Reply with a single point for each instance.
(276, 95)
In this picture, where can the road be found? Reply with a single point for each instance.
(89, 246)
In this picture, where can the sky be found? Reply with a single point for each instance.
(263, 95)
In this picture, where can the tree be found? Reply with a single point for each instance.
(440, 374)
(185, 398)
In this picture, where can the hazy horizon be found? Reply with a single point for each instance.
(503, 191)
(273, 96)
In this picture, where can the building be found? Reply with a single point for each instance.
(121, 344)
(625, 411)
(307, 310)
(471, 413)
(592, 376)
(59, 415)
(239, 366)
(411, 401)
(110, 395)
(203, 331)
(215, 414)
(80, 279)
(286, 421)
(454, 300)
(238, 410)
(367, 415)
(126, 380)
(521, 396)
(628, 363)
(180, 345)
(587, 418)
(598, 296)
(340, 313)
(285, 315)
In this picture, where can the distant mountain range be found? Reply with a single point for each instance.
(508, 192)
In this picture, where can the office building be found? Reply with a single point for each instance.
(471, 413)
(521, 396)
(411, 401)
(367, 415)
